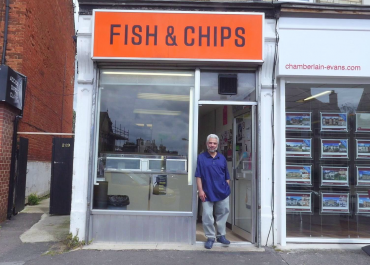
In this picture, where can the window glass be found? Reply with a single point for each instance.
(143, 126)
(328, 160)
(246, 86)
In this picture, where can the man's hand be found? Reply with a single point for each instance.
(202, 196)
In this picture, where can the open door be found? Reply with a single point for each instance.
(244, 178)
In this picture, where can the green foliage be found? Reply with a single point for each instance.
(33, 199)
(73, 242)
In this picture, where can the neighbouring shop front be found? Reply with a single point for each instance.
(325, 83)
(159, 82)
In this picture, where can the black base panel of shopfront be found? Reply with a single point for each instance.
(366, 249)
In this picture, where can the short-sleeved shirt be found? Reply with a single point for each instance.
(213, 173)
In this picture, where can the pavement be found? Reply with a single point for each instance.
(35, 237)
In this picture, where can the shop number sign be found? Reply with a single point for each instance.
(178, 35)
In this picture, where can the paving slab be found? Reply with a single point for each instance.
(217, 247)
(48, 229)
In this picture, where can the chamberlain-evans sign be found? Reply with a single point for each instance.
(324, 47)
(12, 87)
(160, 35)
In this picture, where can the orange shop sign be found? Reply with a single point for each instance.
(194, 36)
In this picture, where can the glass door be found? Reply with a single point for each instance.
(244, 153)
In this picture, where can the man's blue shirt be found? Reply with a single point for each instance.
(213, 173)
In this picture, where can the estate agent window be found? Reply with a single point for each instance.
(328, 160)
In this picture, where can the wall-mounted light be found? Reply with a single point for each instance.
(150, 74)
(157, 112)
(156, 96)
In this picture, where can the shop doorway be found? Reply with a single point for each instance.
(235, 127)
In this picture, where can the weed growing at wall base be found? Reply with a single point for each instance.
(33, 199)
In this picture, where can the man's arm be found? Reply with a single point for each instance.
(201, 193)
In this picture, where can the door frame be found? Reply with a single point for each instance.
(251, 237)
(195, 148)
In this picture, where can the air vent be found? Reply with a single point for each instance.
(227, 84)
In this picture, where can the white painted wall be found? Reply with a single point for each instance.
(38, 178)
(265, 134)
(366, 2)
(82, 130)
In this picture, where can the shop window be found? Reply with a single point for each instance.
(328, 160)
(142, 154)
(210, 86)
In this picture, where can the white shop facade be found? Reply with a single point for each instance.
(152, 85)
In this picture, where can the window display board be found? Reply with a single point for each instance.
(333, 121)
(363, 203)
(334, 176)
(363, 175)
(298, 174)
(362, 149)
(334, 202)
(300, 202)
(334, 148)
(362, 122)
(298, 147)
(298, 121)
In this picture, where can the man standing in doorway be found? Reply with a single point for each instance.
(213, 189)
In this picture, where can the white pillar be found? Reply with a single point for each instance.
(84, 91)
(266, 140)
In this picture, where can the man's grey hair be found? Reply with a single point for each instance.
(213, 136)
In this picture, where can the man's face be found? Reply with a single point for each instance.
(212, 145)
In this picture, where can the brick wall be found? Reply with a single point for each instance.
(48, 61)
(40, 46)
(7, 115)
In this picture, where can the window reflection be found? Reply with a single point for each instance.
(144, 119)
(330, 184)
(246, 87)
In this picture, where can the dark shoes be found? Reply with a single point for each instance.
(209, 243)
(223, 240)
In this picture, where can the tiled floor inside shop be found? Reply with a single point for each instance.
(229, 235)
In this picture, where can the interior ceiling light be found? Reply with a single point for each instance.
(157, 112)
(149, 125)
(163, 96)
(138, 73)
(140, 124)
(316, 96)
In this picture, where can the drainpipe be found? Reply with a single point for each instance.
(14, 153)
(5, 31)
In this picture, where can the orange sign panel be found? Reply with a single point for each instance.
(182, 36)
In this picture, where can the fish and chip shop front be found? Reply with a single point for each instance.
(151, 86)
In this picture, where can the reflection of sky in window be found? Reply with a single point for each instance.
(167, 130)
(120, 97)
(346, 96)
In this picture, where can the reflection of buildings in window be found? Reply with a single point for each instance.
(366, 204)
(148, 146)
(109, 134)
